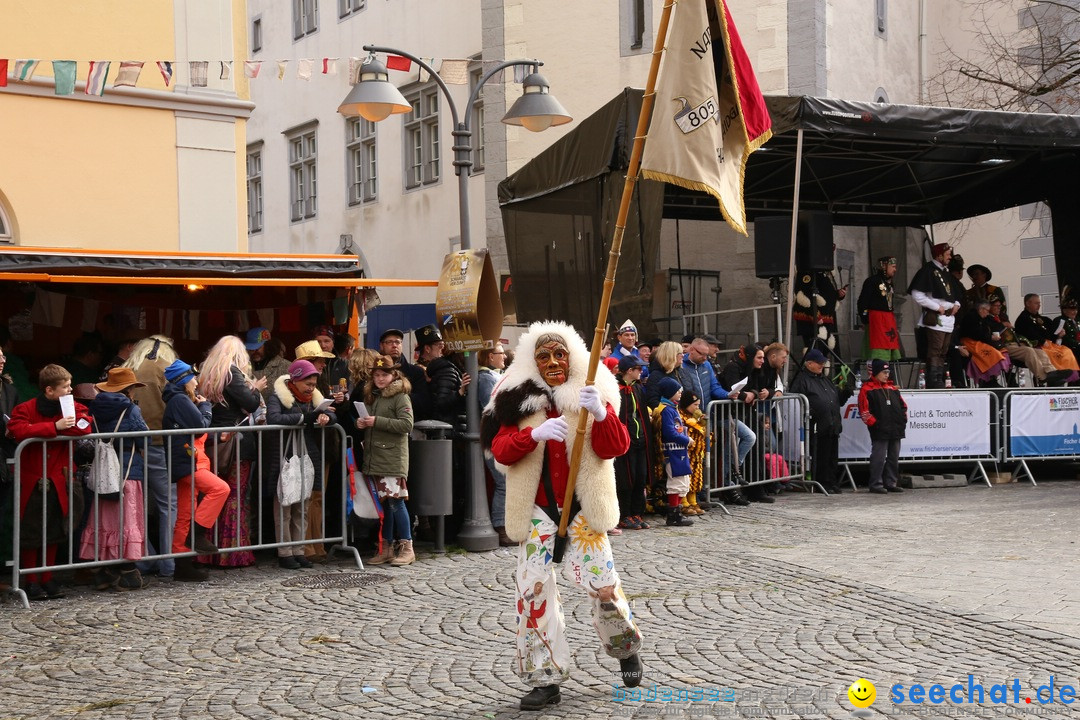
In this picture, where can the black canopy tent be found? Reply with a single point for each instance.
(866, 164)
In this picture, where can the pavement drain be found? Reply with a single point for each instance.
(327, 581)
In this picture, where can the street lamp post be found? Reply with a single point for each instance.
(374, 98)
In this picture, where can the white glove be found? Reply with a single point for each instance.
(555, 428)
(589, 398)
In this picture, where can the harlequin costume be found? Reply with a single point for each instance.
(525, 427)
(816, 297)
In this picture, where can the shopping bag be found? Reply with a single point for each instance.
(297, 477)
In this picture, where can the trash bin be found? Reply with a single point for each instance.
(430, 469)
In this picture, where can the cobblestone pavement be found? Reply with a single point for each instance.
(785, 604)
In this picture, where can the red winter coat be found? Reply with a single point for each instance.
(27, 422)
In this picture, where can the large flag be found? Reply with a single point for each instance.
(709, 114)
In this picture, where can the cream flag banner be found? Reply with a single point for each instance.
(703, 130)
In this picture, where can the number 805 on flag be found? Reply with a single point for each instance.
(690, 119)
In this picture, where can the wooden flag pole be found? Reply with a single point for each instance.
(613, 263)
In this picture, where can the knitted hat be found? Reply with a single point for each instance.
(688, 398)
(179, 373)
(611, 362)
(668, 387)
(300, 369)
(877, 365)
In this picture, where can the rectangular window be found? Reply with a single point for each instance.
(476, 122)
(303, 186)
(422, 136)
(305, 17)
(254, 189)
(634, 20)
(256, 35)
(880, 10)
(348, 7)
(361, 162)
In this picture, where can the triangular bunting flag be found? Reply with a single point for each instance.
(281, 67)
(455, 72)
(303, 68)
(166, 71)
(252, 68)
(24, 69)
(198, 70)
(95, 79)
(64, 74)
(129, 74)
(226, 69)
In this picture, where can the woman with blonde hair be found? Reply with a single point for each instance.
(225, 380)
(665, 362)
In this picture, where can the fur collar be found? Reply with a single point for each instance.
(281, 389)
(394, 388)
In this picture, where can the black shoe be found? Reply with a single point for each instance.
(52, 590)
(131, 580)
(765, 499)
(289, 563)
(1057, 378)
(632, 670)
(735, 497)
(894, 488)
(201, 542)
(833, 489)
(34, 591)
(303, 562)
(677, 519)
(879, 490)
(188, 571)
(539, 698)
(105, 578)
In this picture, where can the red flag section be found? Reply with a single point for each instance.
(396, 62)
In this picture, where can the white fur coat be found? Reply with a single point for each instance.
(522, 398)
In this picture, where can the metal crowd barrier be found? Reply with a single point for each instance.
(952, 458)
(142, 440)
(780, 452)
(1052, 446)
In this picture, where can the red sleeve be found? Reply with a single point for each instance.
(82, 416)
(511, 444)
(610, 438)
(864, 407)
(22, 425)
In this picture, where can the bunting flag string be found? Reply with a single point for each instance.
(166, 71)
(96, 78)
(454, 71)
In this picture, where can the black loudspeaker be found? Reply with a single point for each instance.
(772, 244)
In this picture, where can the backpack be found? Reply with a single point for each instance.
(105, 477)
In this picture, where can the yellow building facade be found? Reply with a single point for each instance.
(154, 167)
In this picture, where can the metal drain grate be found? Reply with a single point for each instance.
(328, 581)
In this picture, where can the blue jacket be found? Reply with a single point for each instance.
(701, 380)
(182, 413)
(106, 409)
(674, 439)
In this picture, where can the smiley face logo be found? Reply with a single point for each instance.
(862, 693)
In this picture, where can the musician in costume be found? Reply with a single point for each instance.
(529, 425)
(1032, 358)
(1067, 322)
(981, 289)
(1042, 333)
(938, 294)
(816, 297)
(875, 305)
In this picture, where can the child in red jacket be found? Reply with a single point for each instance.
(45, 480)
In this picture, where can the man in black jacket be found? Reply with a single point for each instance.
(390, 344)
(826, 399)
(445, 383)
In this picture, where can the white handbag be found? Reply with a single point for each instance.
(297, 476)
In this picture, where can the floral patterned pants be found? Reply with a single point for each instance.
(543, 656)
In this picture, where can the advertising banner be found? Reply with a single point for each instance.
(1044, 424)
(467, 301)
(939, 425)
